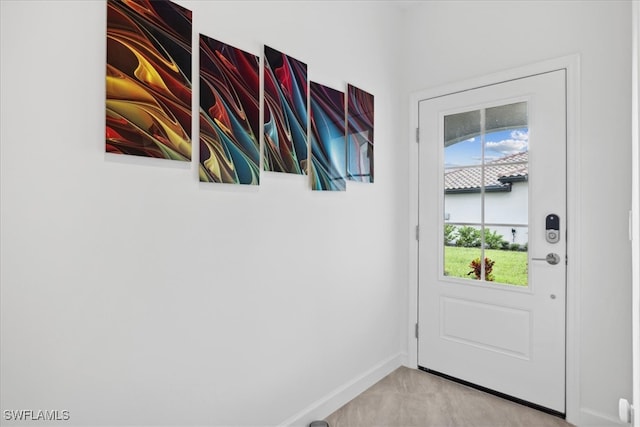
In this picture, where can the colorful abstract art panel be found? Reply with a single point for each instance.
(285, 113)
(359, 135)
(229, 114)
(148, 79)
(328, 139)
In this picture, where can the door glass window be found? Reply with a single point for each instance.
(486, 174)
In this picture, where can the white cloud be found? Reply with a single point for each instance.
(518, 143)
(508, 146)
(520, 135)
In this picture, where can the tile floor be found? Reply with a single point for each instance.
(413, 398)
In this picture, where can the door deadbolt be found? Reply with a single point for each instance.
(552, 228)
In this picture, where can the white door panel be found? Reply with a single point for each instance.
(508, 338)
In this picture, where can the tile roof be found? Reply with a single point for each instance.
(499, 174)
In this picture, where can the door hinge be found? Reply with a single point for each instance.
(417, 232)
(418, 135)
(416, 331)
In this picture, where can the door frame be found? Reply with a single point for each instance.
(571, 64)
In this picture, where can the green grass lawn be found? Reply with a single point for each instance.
(510, 266)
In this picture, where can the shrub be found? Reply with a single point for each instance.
(477, 269)
(492, 239)
(468, 237)
(514, 247)
(450, 234)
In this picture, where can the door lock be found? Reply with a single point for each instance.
(553, 258)
(552, 228)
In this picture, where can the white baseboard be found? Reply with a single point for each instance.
(333, 401)
(591, 418)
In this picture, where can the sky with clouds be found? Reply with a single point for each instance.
(497, 144)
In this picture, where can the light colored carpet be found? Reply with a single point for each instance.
(412, 398)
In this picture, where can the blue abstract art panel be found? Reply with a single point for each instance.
(229, 114)
(328, 139)
(285, 113)
(360, 135)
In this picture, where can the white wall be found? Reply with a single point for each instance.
(452, 41)
(133, 295)
(635, 161)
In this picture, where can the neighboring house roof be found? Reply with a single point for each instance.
(499, 174)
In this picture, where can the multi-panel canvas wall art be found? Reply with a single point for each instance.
(229, 114)
(328, 143)
(285, 113)
(148, 79)
(149, 102)
(359, 135)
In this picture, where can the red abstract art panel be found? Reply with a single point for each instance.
(229, 114)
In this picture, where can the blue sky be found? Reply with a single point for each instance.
(497, 144)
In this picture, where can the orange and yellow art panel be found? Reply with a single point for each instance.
(148, 79)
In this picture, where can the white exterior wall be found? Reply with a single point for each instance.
(500, 207)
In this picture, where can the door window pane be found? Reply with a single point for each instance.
(457, 262)
(506, 117)
(462, 145)
(510, 262)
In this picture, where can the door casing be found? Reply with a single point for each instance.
(572, 66)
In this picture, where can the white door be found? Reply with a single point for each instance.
(493, 189)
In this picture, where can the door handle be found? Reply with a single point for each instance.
(552, 258)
